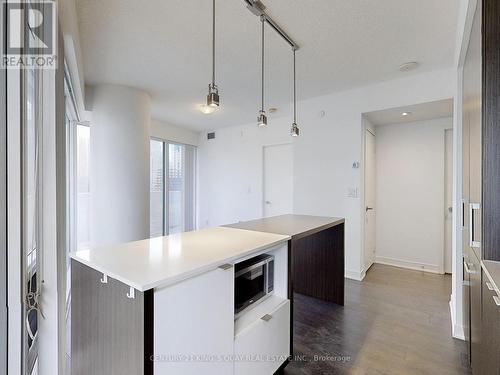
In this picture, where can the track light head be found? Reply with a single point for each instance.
(295, 131)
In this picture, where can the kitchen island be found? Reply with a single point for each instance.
(166, 305)
(315, 255)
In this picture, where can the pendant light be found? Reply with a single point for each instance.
(213, 91)
(294, 131)
(262, 119)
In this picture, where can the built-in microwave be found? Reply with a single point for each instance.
(253, 281)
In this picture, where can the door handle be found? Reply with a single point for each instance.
(472, 242)
(467, 269)
(368, 208)
(463, 213)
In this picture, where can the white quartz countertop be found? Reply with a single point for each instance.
(163, 261)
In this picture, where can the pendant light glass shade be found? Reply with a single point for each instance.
(213, 91)
(294, 131)
(213, 96)
(262, 119)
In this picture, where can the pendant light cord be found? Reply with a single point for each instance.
(263, 19)
(294, 91)
(213, 44)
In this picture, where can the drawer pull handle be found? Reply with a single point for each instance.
(104, 279)
(226, 266)
(472, 241)
(489, 286)
(267, 317)
(497, 300)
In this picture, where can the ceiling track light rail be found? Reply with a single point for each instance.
(259, 9)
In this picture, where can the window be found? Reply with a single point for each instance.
(156, 189)
(172, 188)
(78, 191)
(82, 186)
(78, 182)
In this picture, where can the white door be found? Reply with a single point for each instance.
(448, 198)
(370, 172)
(278, 180)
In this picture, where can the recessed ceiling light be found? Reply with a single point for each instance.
(406, 113)
(207, 109)
(406, 67)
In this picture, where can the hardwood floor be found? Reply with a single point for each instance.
(395, 322)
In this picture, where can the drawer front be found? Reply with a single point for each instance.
(265, 345)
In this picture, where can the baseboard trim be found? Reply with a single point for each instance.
(355, 275)
(431, 268)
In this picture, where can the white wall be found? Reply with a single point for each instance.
(230, 167)
(162, 130)
(410, 194)
(119, 165)
(230, 171)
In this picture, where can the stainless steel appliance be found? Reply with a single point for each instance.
(253, 281)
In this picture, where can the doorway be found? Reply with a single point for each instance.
(369, 206)
(448, 199)
(408, 187)
(277, 180)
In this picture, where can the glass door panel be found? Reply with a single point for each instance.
(31, 212)
(172, 188)
(175, 188)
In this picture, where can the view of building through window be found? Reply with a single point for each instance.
(172, 171)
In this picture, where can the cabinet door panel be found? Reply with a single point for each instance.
(475, 313)
(490, 331)
(194, 325)
(472, 97)
(466, 306)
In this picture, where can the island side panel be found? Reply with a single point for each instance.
(107, 328)
(318, 265)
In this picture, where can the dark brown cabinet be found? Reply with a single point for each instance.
(480, 186)
(490, 330)
(475, 314)
(471, 190)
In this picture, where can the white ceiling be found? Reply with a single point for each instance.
(164, 47)
(417, 112)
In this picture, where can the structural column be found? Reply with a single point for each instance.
(119, 165)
